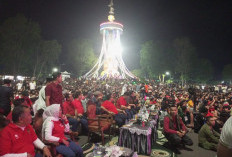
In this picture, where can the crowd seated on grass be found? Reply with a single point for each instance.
(206, 111)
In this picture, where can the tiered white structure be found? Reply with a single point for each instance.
(110, 63)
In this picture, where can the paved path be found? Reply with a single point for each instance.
(197, 151)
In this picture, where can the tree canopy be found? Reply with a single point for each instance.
(227, 72)
(179, 59)
(23, 51)
(81, 56)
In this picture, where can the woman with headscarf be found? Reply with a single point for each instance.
(54, 126)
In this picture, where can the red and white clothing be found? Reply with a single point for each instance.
(53, 128)
(109, 106)
(17, 141)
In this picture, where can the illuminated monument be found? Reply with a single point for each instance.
(110, 63)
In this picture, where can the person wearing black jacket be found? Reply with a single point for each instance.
(6, 95)
(199, 119)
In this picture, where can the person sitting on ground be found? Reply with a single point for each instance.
(225, 143)
(18, 138)
(190, 110)
(225, 113)
(175, 130)
(54, 127)
(208, 138)
(199, 119)
(184, 113)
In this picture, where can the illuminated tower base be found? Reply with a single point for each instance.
(110, 63)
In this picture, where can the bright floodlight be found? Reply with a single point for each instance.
(54, 69)
(110, 63)
(167, 73)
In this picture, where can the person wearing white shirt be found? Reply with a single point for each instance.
(225, 143)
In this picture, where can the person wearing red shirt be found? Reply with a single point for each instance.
(17, 102)
(122, 103)
(174, 129)
(80, 111)
(53, 91)
(19, 138)
(54, 126)
(25, 96)
(71, 112)
(110, 108)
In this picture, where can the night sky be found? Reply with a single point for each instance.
(208, 23)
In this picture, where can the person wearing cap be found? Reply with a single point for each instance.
(53, 91)
(208, 138)
(6, 96)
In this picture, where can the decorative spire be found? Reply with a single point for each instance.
(111, 12)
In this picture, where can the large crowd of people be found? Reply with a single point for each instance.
(56, 105)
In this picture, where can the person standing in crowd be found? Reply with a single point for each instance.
(19, 138)
(175, 130)
(54, 127)
(40, 102)
(6, 96)
(53, 91)
(208, 138)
